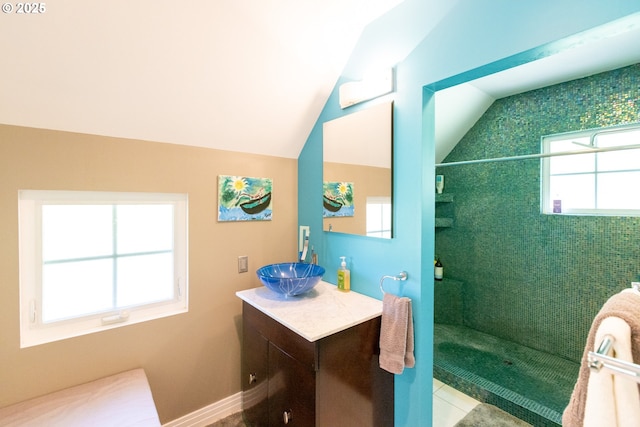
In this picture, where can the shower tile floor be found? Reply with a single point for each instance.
(531, 385)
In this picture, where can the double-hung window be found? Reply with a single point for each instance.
(91, 261)
(603, 179)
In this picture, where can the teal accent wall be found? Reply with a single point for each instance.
(535, 279)
(432, 45)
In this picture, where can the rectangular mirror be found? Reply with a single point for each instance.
(357, 172)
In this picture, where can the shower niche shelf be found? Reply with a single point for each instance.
(444, 210)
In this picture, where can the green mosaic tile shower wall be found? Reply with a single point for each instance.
(534, 279)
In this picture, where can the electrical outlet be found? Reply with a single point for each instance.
(243, 264)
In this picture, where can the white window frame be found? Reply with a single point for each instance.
(590, 138)
(33, 331)
(385, 217)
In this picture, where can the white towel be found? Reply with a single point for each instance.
(613, 400)
(396, 334)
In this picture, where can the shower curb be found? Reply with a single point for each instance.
(487, 392)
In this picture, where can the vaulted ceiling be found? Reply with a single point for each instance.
(240, 75)
(459, 107)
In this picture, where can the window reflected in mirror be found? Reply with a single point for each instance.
(357, 172)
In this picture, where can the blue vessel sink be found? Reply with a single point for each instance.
(290, 278)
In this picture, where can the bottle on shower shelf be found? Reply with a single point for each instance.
(438, 270)
(439, 183)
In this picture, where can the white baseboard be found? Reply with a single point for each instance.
(209, 414)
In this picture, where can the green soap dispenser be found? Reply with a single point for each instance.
(344, 276)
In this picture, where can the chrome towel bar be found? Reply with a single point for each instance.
(599, 359)
(401, 276)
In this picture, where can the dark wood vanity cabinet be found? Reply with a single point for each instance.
(333, 382)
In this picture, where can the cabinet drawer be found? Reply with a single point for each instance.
(285, 339)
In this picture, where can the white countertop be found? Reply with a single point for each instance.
(319, 313)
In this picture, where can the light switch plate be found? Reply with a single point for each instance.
(243, 264)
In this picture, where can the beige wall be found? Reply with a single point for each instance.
(368, 181)
(191, 359)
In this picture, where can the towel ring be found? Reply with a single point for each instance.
(401, 276)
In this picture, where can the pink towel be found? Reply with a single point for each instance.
(623, 305)
(396, 334)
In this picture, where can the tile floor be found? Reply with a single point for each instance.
(449, 405)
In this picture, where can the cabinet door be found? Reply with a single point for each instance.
(351, 388)
(255, 389)
(291, 391)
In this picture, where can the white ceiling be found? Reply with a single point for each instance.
(240, 75)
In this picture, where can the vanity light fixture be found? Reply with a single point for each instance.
(371, 86)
